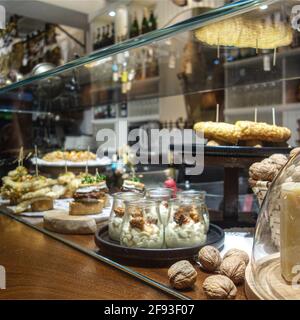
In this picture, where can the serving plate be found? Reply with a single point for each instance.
(240, 151)
(112, 248)
(105, 161)
(61, 204)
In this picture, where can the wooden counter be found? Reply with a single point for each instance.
(39, 267)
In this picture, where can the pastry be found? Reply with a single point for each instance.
(25, 191)
(133, 185)
(219, 131)
(73, 156)
(261, 131)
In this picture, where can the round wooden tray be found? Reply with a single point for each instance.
(112, 248)
(267, 283)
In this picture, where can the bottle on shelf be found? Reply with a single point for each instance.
(112, 35)
(134, 29)
(152, 22)
(102, 41)
(123, 109)
(98, 39)
(145, 24)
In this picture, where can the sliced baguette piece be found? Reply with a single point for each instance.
(78, 208)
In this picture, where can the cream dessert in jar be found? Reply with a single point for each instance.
(162, 197)
(142, 227)
(198, 195)
(118, 211)
(186, 226)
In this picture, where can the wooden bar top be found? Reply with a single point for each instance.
(38, 267)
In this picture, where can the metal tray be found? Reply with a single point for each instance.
(112, 248)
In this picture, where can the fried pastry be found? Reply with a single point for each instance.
(262, 131)
(220, 131)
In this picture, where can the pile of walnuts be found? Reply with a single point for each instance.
(229, 272)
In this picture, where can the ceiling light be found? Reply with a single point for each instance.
(112, 13)
(264, 7)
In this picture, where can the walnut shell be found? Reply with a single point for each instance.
(182, 275)
(279, 160)
(263, 171)
(210, 258)
(233, 268)
(237, 253)
(219, 287)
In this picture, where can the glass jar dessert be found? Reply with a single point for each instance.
(186, 226)
(118, 211)
(142, 226)
(199, 195)
(162, 197)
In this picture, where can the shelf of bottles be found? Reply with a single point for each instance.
(128, 73)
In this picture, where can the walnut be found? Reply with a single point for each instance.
(219, 287)
(210, 258)
(194, 215)
(180, 217)
(137, 222)
(237, 253)
(233, 268)
(182, 275)
(152, 220)
(119, 212)
(136, 212)
(279, 160)
(263, 171)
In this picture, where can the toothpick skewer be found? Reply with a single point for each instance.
(256, 46)
(255, 115)
(218, 113)
(274, 116)
(36, 163)
(219, 51)
(87, 162)
(275, 57)
(66, 167)
(20, 159)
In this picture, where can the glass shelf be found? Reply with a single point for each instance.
(226, 11)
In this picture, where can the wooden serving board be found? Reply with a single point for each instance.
(267, 282)
(61, 222)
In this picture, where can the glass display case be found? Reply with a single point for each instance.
(228, 63)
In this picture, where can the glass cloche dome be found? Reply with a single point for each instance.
(274, 272)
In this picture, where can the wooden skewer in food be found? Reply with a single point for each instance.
(36, 162)
(21, 157)
(87, 163)
(217, 113)
(275, 57)
(274, 116)
(219, 50)
(65, 160)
